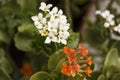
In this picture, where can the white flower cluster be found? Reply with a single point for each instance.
(117, 28)
(109, 18)
(52, 24)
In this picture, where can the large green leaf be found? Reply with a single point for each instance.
(116, 76)
(28, 5)
(23, 43)
(2, 53)
(6, 65)
(27, 29)
(4, 37)
(101, 77)
(111, 60)
(4, 75)
(41, 76)
(73, 40)
(54, 59)
(24, 37)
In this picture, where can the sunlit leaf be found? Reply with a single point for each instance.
(54, 59)
(41, 76)
(111, 60)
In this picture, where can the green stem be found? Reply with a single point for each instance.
(97, 5)
(67, 10)
(110, 4)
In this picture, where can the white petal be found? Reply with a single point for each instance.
(40, 15)
(64, 41)
(54, 10)
(48, 40)
(106, 25)
(54, 39)
(115, 29)
(98, 12)
(39, 26)
(42, 6)
(60, 12)
(34, 18)
(112, 22)
(107, 12)
(49, 6)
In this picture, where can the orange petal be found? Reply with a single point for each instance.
(71, 51)
(80, 46)
(88, 71)
(84, 52)
(66, 49)
(89, 60)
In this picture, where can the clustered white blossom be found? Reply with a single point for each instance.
(52, 24)
(109, 18)
(117, 28)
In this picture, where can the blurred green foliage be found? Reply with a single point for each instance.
(46, 59)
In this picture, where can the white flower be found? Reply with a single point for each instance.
(112, 22)
(53, 25)
(109, 18)
(43, 32)
(106, 24)
(51, 38)
(64, 30)
(38, 20)
(62, 39)
(117, 28)
(45, 7)
(98, 12)
(54, 11)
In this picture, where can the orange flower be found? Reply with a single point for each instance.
(88, 71)
(66, 49)
(80, 47)
(74, 69)
(26, 69)
(71, 51)
(89, 60)
(66, 69)
(71, 59)
(84, 52)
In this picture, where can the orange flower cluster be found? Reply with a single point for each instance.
(77, 62)
(26, 69)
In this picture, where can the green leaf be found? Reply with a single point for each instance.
(2, 54)
(24, 37)
(73, 40)
(110, 71)
(27, 5)
(6, 65)
(4, 37)
(111, 60)
(54, 59)
(58, 68)
(23, 43)
(4, 75)
(101, 77)
(4, 62)
(27, 29)
(116, 76)
(39, 62)
(41, 76)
